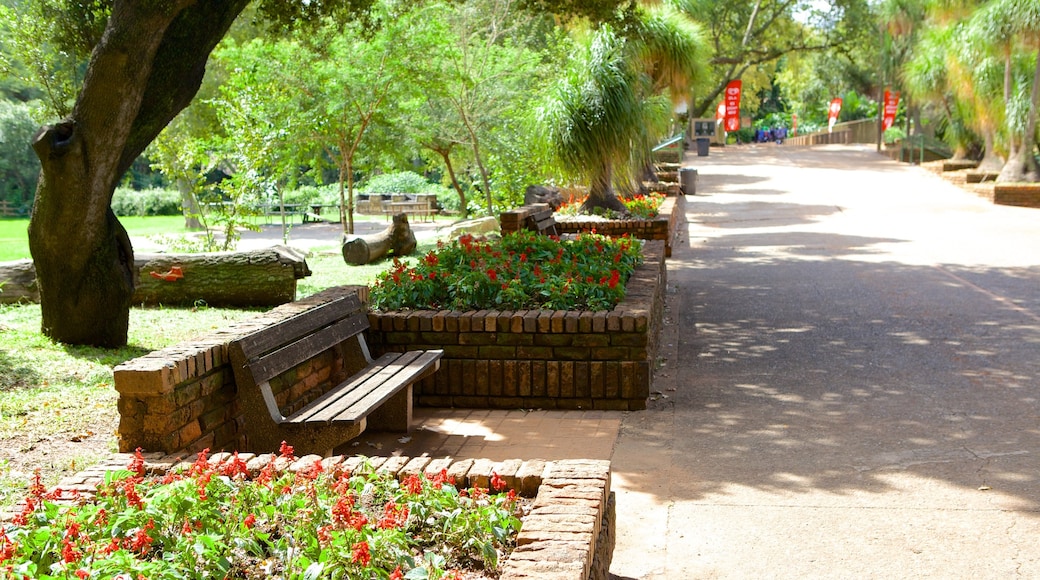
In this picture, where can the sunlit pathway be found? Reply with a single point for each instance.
(851, 383)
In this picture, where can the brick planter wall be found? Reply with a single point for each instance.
(548, 359)
(662, 228)
(1018, 194)
(569, 533)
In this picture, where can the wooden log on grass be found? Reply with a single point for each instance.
(398, 237)
(265, 277)
(18, 282)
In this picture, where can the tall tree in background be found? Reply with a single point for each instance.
(483, 73)
(752, 35)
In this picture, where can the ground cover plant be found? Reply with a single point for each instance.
(521, 270)
(215, 520)
(640, 206)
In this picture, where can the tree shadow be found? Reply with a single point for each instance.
(15, 374)
(823, 371)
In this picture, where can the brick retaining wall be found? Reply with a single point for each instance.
(569, 533)
(547, 359)
(1017, 194)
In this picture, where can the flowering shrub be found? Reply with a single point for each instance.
(216, 522)
(640, 206)
(523, 270)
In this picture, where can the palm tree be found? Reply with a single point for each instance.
(1008, 21)
(592, 114)
(602, 119)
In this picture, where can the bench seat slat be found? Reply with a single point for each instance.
(273, 364)
(299, 326)
(354, 399)
(415, 370)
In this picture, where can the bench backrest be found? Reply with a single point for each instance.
(541, 220)
(275, 349)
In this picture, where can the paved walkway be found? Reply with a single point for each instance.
(849, 385)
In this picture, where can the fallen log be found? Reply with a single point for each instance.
(265, 277)
(398, 237)
(18, 282)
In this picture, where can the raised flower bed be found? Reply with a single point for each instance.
(662, 228)
(548, 359)
(567, 531)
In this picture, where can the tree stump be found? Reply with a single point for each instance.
(18, 282)
(398, 237)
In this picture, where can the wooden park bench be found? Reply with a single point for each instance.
(541, 220)
(377, 392)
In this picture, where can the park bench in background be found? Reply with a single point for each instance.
(537, 217)
(378, 393)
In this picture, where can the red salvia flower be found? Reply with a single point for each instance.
(360, 554)
(497, 483)
(6, 546)
(137, 463)
(394, 516)
(286, 451)
(201, 463)
(250, 521)
(69, 553)
(141, 541)
(397, 574)
(413, 483)
(234, 467)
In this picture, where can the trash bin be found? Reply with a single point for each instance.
(688, 181)
(702, 146)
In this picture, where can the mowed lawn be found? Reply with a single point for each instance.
(14, 236)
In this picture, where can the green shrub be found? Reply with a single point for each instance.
(146, 202)
(400, 182)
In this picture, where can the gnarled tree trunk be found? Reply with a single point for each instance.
(146, 68)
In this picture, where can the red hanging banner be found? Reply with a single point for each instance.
(891, 106)
(832, 113)
(732, 103)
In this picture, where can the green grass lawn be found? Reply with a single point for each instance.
(14, 237)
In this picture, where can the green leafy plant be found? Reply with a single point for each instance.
(216, 520)
(522, 270)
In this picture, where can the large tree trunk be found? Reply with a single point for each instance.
(398, 238)
(1021, 165)
(991, 162)
(601, 192)
(146, 68)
